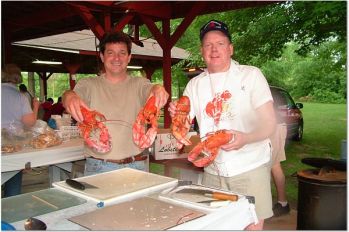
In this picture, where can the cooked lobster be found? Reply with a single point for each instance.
(148, 115)
(209, 148)
(94, 131)
(181, 122)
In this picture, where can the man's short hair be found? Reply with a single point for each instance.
(50, 100)
(11, 73)
(115, 37)
(23, 88)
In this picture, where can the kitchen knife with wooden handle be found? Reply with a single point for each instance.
(210, 193)
(222, 196)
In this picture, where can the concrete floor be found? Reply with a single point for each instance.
(38, 179)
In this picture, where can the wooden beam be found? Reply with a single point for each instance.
(122, 23)
(149, 8)
(90, 20)
(167, 69)
(154, 30)
(107, 21)
(188, 19)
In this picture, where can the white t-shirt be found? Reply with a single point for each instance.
(239, 92)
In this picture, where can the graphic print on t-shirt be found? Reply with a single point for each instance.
(215, 108)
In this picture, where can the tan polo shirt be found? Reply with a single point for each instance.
(122, 102)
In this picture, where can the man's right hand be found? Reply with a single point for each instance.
(72, 103)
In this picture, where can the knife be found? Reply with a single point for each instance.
(210, 193)
(78, 184)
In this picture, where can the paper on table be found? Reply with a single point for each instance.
(140, 214)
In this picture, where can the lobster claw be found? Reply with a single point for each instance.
(94, 131)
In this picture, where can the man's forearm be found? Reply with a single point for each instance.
(267, 124)
(263, 132)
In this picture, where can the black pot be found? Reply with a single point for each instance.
(322, 197)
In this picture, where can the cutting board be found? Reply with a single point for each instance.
(119, 185)
(140, 214)
(32, 204)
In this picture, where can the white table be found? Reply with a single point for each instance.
(231, 217)
(58, 157)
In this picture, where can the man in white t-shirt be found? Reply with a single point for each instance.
(245, 108)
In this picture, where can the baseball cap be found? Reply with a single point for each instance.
(214, 25)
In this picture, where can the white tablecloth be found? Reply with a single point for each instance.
(12, 163)
(231, 217)
(68, 151)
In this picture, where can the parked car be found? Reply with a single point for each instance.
(289, 112)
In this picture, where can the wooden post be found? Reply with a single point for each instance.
(31, 83)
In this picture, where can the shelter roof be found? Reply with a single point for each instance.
(65, 46)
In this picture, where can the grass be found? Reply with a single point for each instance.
(325, 126)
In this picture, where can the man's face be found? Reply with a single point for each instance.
(216, 51)
(115, 58)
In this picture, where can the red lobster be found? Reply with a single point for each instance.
(181, 122)
(147, 115)
(209, 148)
(94, 131)
(214, 108)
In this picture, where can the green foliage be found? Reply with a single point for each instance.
(57, 84)
(320, 76)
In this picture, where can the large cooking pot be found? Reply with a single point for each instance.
(322, 195)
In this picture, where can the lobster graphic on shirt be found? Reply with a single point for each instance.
(214, 108)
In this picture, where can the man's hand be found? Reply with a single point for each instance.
(161, 95)
(237, 142)
(72, 102)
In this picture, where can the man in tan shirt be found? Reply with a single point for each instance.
(119, 97)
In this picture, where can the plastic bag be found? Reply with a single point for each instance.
(44, 136)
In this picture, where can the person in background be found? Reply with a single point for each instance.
(57, 108)
(23, 89)
(15, 112)
(246, 111)
(118, 96)
(278, 155)
(44, 112)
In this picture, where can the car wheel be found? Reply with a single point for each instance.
(299, 135)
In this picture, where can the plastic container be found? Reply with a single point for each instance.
(7, 226)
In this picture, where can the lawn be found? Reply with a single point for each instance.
(325, 127)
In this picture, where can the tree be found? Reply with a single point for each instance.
(260, 34)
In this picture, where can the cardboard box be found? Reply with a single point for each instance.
(165, 145)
